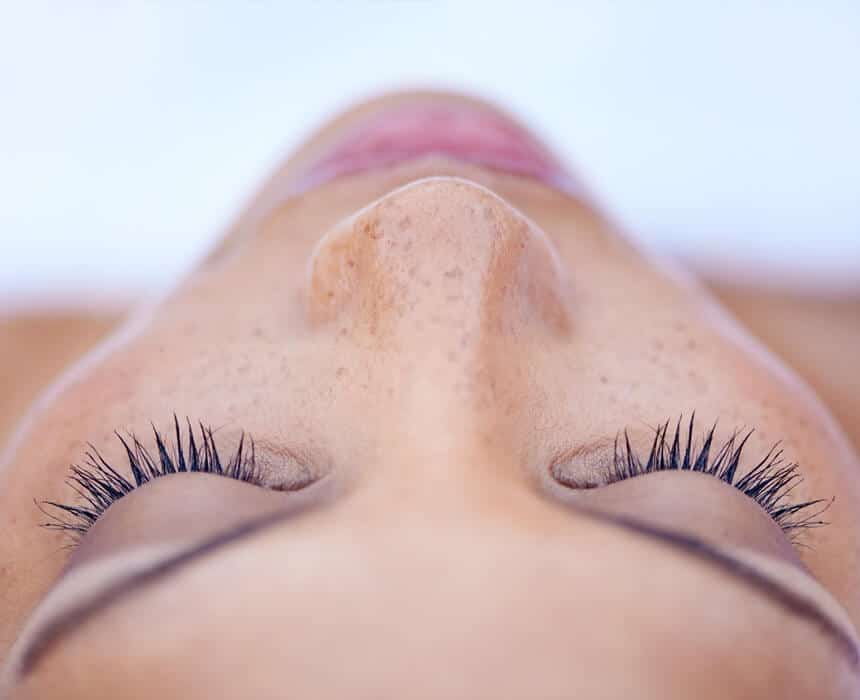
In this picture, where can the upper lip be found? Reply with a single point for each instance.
(459, 130)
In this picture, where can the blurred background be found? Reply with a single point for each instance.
(726, 134)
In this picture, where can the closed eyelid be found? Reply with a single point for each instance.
(99, 485)
(769, 482)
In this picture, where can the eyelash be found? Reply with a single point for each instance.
(769, 483)
(99, 485)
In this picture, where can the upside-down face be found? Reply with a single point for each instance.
(426, 425)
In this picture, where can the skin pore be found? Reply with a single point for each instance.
(427, 355)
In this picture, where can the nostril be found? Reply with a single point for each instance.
(440, 253)
(334, 266)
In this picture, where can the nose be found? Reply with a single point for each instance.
(441, 266)
(445, 288)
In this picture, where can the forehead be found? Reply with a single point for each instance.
(329, 612)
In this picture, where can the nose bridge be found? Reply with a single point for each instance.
(446, 286)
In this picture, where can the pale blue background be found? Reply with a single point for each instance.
(727, 133)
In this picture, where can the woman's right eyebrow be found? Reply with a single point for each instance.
(789, 600)
(777, 592)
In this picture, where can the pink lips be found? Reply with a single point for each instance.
(465, 133)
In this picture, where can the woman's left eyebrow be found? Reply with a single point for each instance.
(56, 629)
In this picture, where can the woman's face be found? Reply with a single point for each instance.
(440, 359)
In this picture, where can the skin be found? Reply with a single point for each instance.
(412, 349)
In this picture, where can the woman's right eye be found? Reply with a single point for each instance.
(769, 483)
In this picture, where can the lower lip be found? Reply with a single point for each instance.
(464, 133)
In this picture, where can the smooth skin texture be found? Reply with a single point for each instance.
(419, 344)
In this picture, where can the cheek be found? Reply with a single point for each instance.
(655, 353)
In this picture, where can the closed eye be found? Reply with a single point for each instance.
(99, 485)
(771, 482)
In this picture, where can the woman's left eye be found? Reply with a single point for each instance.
(99, 485)
(769, 483)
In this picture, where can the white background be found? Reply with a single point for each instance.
(726, 133)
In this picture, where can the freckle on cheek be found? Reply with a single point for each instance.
(371, 230)
(698, 382)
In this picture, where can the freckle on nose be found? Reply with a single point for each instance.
(460, 257)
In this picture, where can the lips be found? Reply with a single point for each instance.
(465, 133)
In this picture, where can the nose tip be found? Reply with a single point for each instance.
(438, 254)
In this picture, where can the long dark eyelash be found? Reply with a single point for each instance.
(770, 483)
(98, 485)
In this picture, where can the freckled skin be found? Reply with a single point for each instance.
(431, 336)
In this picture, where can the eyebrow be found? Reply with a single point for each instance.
(61, 626)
